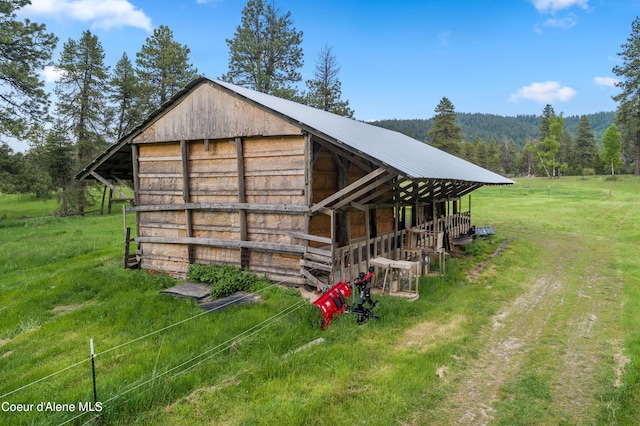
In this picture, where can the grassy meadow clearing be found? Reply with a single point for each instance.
(545, 332)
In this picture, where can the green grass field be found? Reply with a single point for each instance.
(541, 333)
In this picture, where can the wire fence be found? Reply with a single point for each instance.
(188, 363)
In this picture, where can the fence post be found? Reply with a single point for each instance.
(93, 372)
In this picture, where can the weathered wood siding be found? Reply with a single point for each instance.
(213, 129)
(209, 112)
(324, 181)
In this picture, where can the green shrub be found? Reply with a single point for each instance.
(224, 279)
(477, 247)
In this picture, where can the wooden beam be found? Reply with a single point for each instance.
(375, 195)
(109, 184)
(319, 284)
(309, 237)
(184, 146)
(225, 207)
(136, 172)
(319, 252)
(121, 183)
(186, 196)
(234, 244)
(346, 190)
(244, 254)
(367, 228)
(324, 258)
(358, 206)
(308, 169)
(363, 191)
(104, 194)
(240, 169)
(189, 227)
(316, 265)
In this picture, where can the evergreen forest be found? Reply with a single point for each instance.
(507, 144)
(486, 126)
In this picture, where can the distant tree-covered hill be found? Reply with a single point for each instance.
(486, 126)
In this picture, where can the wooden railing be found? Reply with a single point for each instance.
(349, 260)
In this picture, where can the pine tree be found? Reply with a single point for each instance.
(468, 152)
(508, 156)
(493, 156)
(11, 166)
(126, 94)
(565, 155)
(82, 94)
(550, 146)
(545, 121)
(628, 113)
(25, 49)
(445, 133)
(481, 152)
(584, 149)
(57, 159)
(163, 68)
(325, 90)
(545, 150)
(611, 153)
(265, 52)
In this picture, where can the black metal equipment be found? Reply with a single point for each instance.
(364, 289)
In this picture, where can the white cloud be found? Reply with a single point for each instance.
(564, 23)
(545, 92)
(105, 14)
(606, 81)
(552, 6)
(51, 74)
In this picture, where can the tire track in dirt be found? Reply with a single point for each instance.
(573, 321)
(515, 330)
(591, 341)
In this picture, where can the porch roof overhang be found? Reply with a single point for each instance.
(379, 188)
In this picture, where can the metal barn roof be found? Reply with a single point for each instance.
(404, 155)
(408, 156)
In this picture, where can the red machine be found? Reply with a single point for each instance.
(333, 302)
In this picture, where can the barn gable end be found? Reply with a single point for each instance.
(210, 112)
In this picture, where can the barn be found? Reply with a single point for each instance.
(222, 173)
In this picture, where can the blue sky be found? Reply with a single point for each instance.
(397, 58)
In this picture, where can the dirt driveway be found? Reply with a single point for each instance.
(550, 353)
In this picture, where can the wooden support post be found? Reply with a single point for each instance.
(244, 253)
(308, 169)
(185, 171)
(367, 227)
(104, 193)
(186, 195)
(110, 201)
(191, 250)
(395, 232)
(308, 178)
(136, 174)
(333, 245)
(435, 226)
(127, 238)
